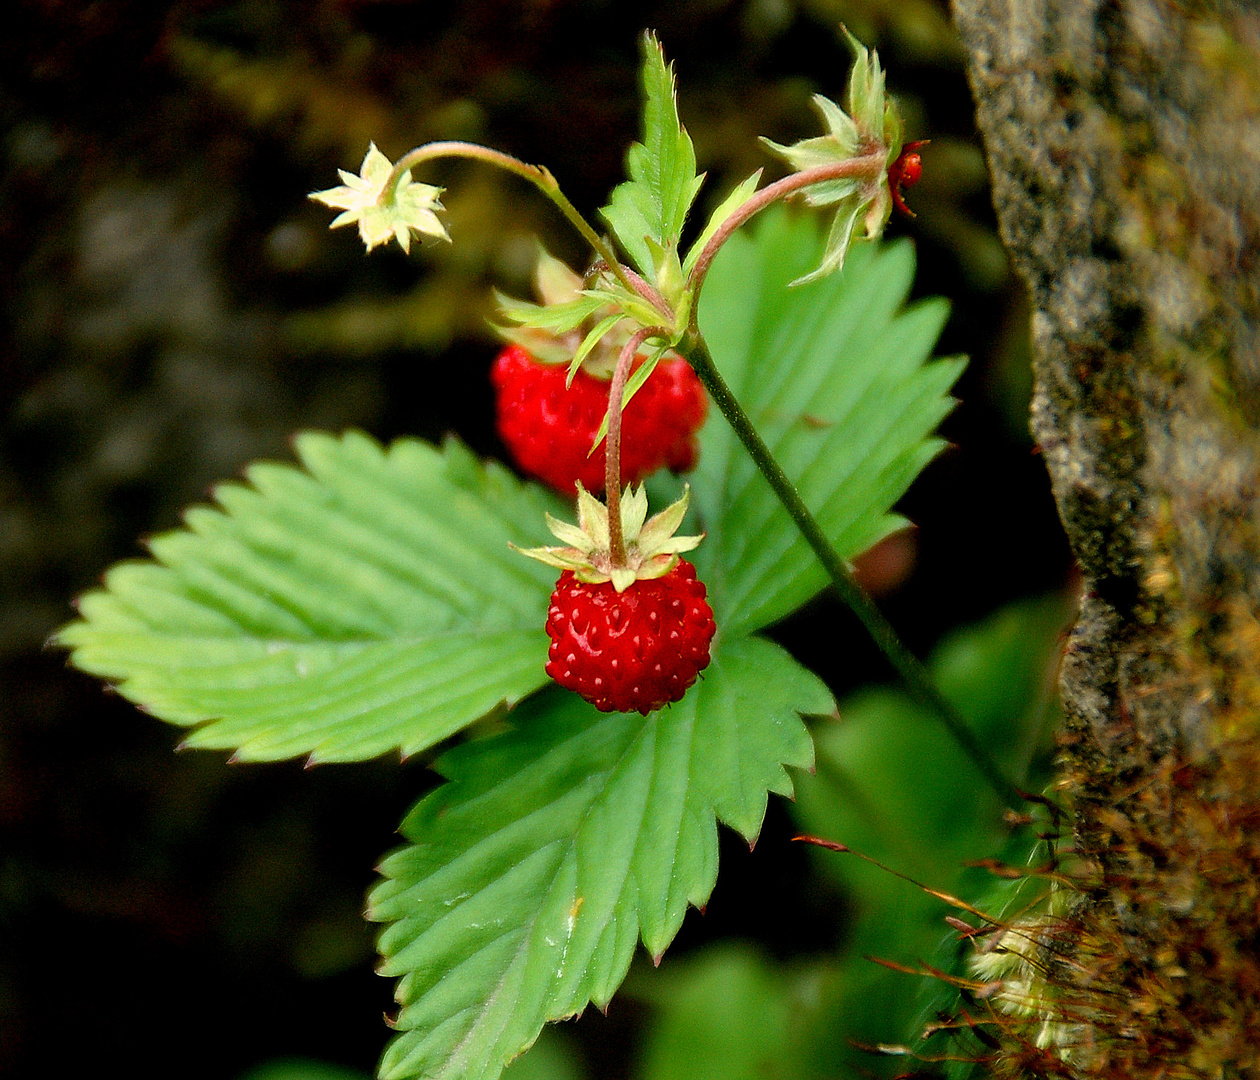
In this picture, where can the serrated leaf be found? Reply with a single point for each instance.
(532, 873)
(364, 603)
(663, 183)
(834, 375)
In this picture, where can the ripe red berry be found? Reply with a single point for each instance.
(633, 650)
(548, 427)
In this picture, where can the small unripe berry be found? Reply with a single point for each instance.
(905, 172)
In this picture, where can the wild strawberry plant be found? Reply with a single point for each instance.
(376, 599)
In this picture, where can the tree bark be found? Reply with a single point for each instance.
(1124, 145)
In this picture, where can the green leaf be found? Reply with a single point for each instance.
(368, 603)
(663, 183)
(834, 375)
(532, 873)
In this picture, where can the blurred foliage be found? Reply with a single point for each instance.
(917, 29)
(173, 308)
(301, 1069)
(552, 1057)
(725, 1014)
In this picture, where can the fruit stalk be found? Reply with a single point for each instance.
(881, 630)
(612, 442)
(538, 175)
(869, 165)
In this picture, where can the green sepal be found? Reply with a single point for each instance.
(651, 548)
(631, 304)
(867, 99)
(593, 337)
(554, 318)
(871, 125)
(670, 282)
(408, 207)
(839, 237)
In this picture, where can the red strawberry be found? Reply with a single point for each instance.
(549, 428)
(629, 631)
(632, 650)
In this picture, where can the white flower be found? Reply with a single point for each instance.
(410, 207)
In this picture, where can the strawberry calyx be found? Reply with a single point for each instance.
(555, 332)
(651, 549)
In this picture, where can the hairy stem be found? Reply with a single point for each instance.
(649, 293)
(612, 442)
(881, 630)
(537, 175)
(869, 166)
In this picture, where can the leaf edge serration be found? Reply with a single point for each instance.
(680, 811)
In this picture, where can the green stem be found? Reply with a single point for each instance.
(881, 630)
(537, 175)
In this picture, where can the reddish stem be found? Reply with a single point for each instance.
(868, 166)
(537, 175)
(612, 442)
(650, 294)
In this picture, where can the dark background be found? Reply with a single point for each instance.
(173, 308)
